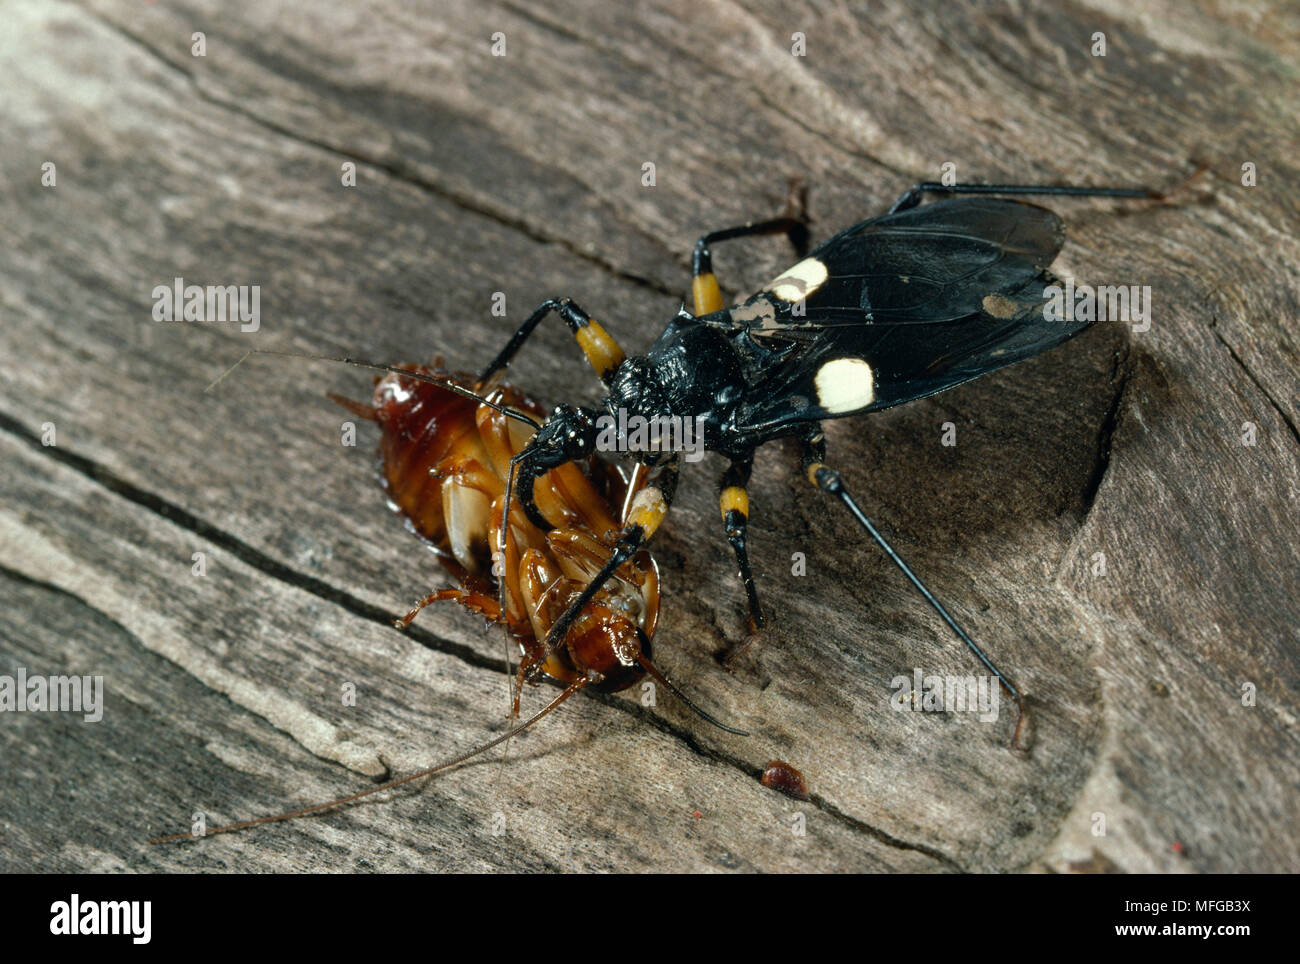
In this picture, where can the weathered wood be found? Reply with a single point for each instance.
(522, 174)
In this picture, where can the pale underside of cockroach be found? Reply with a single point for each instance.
(444, 461)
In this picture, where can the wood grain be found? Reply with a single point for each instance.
(523, 174)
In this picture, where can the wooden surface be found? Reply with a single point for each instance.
(522, 174)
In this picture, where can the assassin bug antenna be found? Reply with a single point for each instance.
(391, 784)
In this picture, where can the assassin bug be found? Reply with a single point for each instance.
(445, 456)
(887, 311)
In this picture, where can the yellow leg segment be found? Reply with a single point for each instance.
(706, 294)
(648, 510)
(602, 351)
(734, 497)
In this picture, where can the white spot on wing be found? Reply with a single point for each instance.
(800, 281)
(845, 385)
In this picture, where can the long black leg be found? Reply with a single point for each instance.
(912, 196)
(601, 350)
(649, 507)
(705, 293)
(796, 229)
(733, 500)
(829, 481)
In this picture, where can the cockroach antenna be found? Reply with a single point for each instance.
(655, 674)
(611, 651)
(391, 784)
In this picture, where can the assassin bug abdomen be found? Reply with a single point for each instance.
(445, 461)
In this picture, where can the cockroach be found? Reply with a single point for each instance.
(890, 310)
(446, 453)
(444, 463)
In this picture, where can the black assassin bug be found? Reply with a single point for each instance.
(887, 311)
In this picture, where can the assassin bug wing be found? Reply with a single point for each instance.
(839, 371)
(897, 308)
(927, 264)
(921, 265)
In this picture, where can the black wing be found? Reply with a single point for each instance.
(899, 307)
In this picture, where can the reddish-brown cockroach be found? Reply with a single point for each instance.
(445, 462)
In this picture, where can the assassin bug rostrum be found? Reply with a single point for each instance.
(887, 311)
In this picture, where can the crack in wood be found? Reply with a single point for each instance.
(399, 173)
(1232, 353)
(1106, 434)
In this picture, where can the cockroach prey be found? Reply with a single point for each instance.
(445, 462)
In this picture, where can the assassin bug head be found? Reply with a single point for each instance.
(567, 435)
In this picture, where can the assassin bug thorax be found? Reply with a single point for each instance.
(887, 311)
